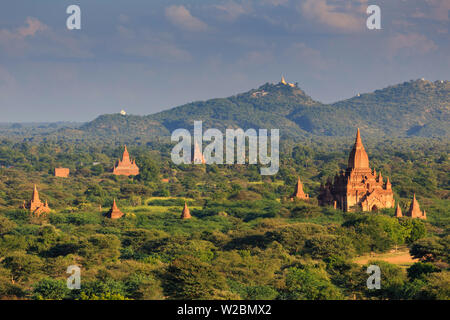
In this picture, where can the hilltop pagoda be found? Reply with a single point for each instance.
(185, 214)
(126, 166)
(284, 82)
(298, 193)
(357, 188)
(114, 212)
(414, 210)
(35, 205)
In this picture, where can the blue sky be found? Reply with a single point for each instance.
(147, 56)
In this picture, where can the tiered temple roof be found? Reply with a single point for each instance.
(357, 187)
(126, 166)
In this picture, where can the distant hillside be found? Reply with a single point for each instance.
(414, 108)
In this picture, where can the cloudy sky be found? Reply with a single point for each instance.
(149, 55)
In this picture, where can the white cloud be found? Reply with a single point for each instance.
(182, 18)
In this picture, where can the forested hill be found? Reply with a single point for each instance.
(414, 108)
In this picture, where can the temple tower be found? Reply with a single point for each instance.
(358, 188)
(126, 166)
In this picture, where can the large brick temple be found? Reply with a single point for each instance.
(357, 188)
(126, 166)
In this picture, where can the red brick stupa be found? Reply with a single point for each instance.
(115, 212)
(298, 193)
(398, 212)
(35, 205)
(126, 166)
(185, 214)
(414, 210)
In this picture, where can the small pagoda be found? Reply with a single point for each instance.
(185, 214)
(299, 194)
(114, 212)
(414, 210)
(398, 211)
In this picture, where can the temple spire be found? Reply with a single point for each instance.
(358, 141)
(35, 196)
(388, 184)
(114, 206)
(126, 155)
(358, 158)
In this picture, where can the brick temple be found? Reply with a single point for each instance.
(35, 205)
(126, 166)
(357, 188)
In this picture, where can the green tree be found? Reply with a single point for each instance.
(50, 289)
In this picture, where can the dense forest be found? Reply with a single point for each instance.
(245, 240)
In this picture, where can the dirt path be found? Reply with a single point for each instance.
(401, 258)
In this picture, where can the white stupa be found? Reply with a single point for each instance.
(122, 112)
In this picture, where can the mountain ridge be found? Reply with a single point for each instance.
(413, 108)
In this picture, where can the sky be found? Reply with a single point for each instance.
(145, 56)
